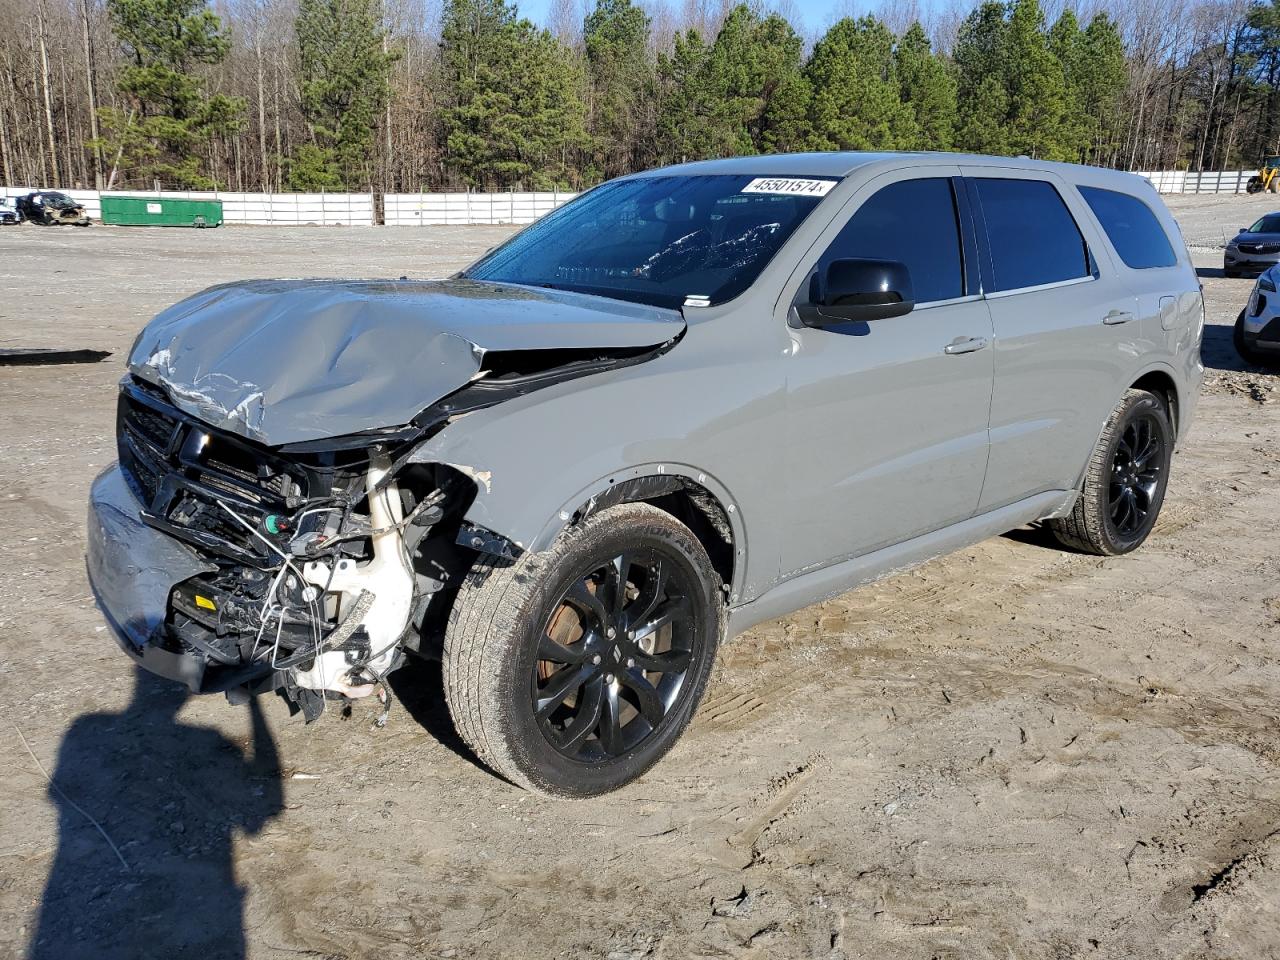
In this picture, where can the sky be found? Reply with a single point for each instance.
(816, 14)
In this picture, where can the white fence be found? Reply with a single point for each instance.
(1208, 181)
(420, 209)
(279, 209)
(428, 209)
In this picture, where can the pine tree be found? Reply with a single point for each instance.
(781, 122)
(683, 99)
(1263, 44)
(1101, 83)
(1012, 88)
(344, 87)
(926, 84)
(621, 77)
(856, 100)
(742, 94)
(1036, 85)
(1067, 44)
(515, 114)
(160, 137)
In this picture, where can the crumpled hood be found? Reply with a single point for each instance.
(285, 361)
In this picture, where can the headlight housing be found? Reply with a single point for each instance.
(1266, 283)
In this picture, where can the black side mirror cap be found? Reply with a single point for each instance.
(858, 290)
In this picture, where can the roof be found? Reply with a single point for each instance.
(841, 164)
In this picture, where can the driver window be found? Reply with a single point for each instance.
(915, 222)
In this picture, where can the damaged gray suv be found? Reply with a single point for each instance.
(686, 402)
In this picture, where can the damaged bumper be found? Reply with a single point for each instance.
(228, 566)
(132, 570)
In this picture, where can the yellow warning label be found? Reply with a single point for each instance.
(205, 602)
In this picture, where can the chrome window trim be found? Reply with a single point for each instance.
(930, 304)
(1001, 294)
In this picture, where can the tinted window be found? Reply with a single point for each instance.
(1132, 227)
(1033, 238)
(913, 221)
(658, 240)
(1268, 224)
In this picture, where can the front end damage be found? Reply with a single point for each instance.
(268, 526)
(309, 568)
(235, 567)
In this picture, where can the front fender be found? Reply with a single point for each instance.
(596, 496)
(538, 460)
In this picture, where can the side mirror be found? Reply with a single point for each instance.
(858, 290)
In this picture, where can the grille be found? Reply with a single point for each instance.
(179, 469)
(1260, 247)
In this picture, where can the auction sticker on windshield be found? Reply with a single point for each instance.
(788, 185)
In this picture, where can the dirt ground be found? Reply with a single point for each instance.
(1011, 752)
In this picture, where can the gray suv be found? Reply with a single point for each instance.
(689, 401)
(1254, 248)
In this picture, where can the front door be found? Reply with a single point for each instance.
(888, 419)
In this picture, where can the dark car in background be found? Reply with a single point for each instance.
(1255, 248)
(49, 208)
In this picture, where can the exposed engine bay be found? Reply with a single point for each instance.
(324, 556)
(324, 562)
(50, 208)
(274, 522)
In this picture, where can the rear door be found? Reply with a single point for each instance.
(1065, 331)
(887, 425)
(1164, 283)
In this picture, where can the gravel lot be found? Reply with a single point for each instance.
(1010, 752)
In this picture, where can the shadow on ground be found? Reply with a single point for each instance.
(419, 687)
(1218, 352)
(173, 797)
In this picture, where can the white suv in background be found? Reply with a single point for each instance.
(1257, 333)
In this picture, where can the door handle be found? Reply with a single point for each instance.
(1117, 316)
(965, 345)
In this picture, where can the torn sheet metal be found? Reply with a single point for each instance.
(286, 361)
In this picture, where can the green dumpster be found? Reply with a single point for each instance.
(161, 212)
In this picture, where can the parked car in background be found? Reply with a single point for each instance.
(1257, 330)
(50, 208)
(8, 212)
(1254, 248)
(688, 401)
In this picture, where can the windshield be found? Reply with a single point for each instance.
(1268, 224)
(659, 240)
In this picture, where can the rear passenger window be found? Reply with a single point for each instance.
(1033, 238)
(1132, 228)
(913, 221)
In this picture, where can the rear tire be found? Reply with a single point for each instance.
(555, 673)
(1124, 482)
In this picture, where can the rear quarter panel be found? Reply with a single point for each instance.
(1170, 301)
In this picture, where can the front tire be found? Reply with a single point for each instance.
(572, 671)
(1125, 481)
(1247, 353)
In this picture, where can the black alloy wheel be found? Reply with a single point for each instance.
(1137, 469)
(613, 657)
(1124, 481)
(572, 670)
